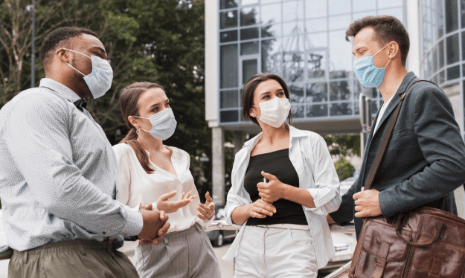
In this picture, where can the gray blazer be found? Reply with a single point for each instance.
(424, 161)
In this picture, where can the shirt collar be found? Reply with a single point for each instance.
(293, 132)
(406, 82)
(60, 89)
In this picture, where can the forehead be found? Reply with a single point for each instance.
(87, 41)
(268, 86)
(151, 97)
(365, 37)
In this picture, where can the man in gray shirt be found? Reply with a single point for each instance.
(58, 173)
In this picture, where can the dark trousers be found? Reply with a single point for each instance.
(73, 259)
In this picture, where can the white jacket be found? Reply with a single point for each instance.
(311, 159)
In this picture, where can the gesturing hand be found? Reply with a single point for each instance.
(206, 211)
(155, 225)
(367, 203)
(261, 209)
(173, 206)
(272, 190)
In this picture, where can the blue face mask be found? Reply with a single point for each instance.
(367, 73)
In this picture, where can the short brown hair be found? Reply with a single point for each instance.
(387, 29)
(249, 90)
(128, 101)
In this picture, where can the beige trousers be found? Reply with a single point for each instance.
(71, 259)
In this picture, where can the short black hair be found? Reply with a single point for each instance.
(59, 37)
(387, 29)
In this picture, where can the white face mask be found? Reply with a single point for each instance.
(275, 111)
(163, 124)
(100, 79)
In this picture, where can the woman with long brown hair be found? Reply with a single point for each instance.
(155, 174)
(283, 184)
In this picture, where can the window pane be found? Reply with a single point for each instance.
(249, 69)
(227, 4)
(389, 3)
(297, 111)
(271, 13)
(228, 19)
(318, 110)
(316, 25)
(442, 77)
(452, 44)
(229, 116)
(318, 39)
(249, 48)
(341, 109)
(363, 5)
(397, 13)
(228, 36)
(271, 31)
(339, 7)
(294, 57)
(272, 58)
(250, 33)
(229, 99)
(316, 63)
(340, 54)
(249, 16)
(296, 94)
(249, 2)
(452, 21)
(340, 90)
(340, 22)
(435, 59)
(361, 15)
(269, 1)
(317, 92)
(315, 8)
(229, 66)
(441, 54)
(453, 73)
(293, 28)
(293, 11)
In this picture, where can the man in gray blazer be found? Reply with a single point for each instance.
(425, 159)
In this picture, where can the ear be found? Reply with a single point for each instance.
(133, 121)
(252, 114)
(394, 50)
(63, 55)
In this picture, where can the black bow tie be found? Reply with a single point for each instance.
(80, 104)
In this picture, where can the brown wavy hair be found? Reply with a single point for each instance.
(249, 90)
(128, 100)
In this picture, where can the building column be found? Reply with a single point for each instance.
(218, 165)
(238, 141)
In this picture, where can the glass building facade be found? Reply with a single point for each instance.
(443, 50)
(304, 42)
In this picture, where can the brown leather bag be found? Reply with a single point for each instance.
(423, 243)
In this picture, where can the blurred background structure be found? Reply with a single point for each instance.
(304, 42)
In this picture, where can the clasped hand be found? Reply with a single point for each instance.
(272, 190)
(154, 227)
(367, 203)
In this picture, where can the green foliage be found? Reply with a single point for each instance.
(343, 145)
(344, 169)
(146, 40)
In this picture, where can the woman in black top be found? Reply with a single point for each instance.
(283, 184)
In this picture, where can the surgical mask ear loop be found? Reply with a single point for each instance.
(77, 53)
(379, 52)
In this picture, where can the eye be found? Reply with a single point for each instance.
(167, 105)
(281, 94)
(265, 97)
(155, 109)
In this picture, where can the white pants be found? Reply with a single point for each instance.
(275, 253)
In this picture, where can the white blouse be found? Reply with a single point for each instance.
(136, 186)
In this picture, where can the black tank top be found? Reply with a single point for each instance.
(276, 163)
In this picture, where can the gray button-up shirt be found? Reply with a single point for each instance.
(58, 172)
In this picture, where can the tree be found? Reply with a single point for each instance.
(146, 40)
(345, 169)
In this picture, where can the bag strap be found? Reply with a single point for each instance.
(387, 136)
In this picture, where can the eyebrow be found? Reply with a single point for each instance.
(269, 92)
(99, 49)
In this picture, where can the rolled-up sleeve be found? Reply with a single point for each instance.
(235, 195)
(325, 193)
(37, 138)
